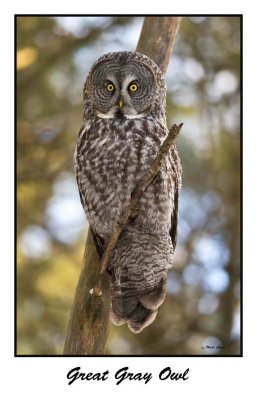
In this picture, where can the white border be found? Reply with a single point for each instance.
(210, 378)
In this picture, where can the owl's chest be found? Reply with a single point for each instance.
(111, 164)
(119, 160)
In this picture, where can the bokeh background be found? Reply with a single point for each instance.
(202, 308)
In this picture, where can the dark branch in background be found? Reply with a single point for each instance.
(89, 320)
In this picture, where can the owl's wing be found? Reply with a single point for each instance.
(78, 169)
(176, 172)
(97, 239)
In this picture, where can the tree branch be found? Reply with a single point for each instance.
(157, 39)
(89, 320)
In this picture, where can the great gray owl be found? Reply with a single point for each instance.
(124, 125)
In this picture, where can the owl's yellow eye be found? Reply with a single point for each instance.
(110, 87)
(133, 87)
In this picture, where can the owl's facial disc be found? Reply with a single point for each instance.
(122, 91)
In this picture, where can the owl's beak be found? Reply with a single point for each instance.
(120, 103)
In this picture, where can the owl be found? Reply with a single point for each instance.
(124, 125)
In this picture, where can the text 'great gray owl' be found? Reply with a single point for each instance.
(124, 125)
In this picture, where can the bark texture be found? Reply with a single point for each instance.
(157, 39)
(89, 320)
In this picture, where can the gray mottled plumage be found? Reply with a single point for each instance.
(116, 145)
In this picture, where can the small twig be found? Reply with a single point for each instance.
(137, 193)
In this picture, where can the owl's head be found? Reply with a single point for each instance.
(124, 85)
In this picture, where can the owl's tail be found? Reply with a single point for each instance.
(139, 277)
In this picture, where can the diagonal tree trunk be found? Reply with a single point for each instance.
(89, 320)
(157, 39)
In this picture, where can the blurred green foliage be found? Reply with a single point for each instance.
(203, 303)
